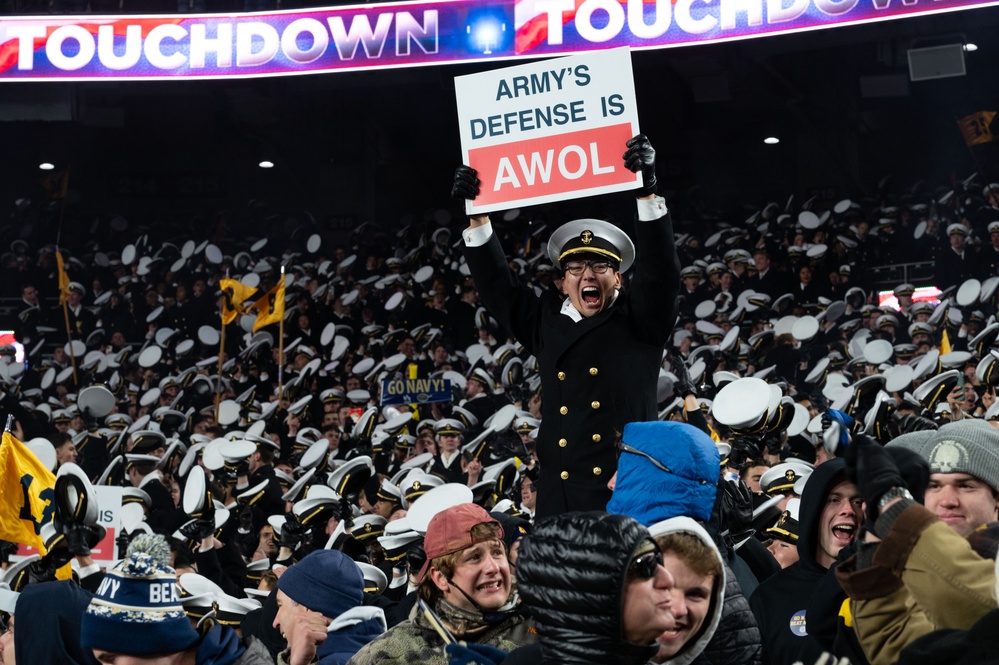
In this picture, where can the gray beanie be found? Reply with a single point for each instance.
(914, 441)
(967, 446)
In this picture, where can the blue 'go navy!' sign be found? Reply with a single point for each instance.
(415, 391)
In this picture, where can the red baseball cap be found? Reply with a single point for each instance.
(450, 531)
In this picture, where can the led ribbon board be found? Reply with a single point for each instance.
(375, 36)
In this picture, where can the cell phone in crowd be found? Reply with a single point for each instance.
(436, 623)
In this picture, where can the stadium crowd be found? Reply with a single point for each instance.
(817, 480)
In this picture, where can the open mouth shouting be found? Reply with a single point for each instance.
(591, 296)
(844, 533)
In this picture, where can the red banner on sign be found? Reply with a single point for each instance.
(551, 165)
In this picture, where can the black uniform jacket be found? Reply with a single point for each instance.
(597, 374)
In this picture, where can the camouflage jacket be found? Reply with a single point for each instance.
(415, 641)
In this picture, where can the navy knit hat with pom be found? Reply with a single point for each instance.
(137, 609)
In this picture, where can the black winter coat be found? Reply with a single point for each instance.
(571, 574)
(783, 603)
(737, 640)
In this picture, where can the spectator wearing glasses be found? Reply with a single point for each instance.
(669, 471)
(599, 348)
(595, 586)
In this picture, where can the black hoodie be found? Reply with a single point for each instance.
(781, 602)
(47, 619)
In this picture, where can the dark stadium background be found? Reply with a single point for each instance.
(381, 145)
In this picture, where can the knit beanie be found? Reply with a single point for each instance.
(325, 581)
(914, 441)
(967, 446)
(137, 610)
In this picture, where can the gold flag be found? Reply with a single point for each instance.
(28, 491)
(975, 127)
(270, 307)
(63, 279)
(234, 294)
(945, 344)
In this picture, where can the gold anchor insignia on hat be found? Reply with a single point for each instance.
(789, 474)
(784, 517)
(586, 237)
(367, 527)
(416, 485)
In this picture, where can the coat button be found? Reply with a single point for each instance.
(564, 475)
(563, 410)
(561, 376)
(593, 371)
(596, 438)
(594, 404)
(597, 471)
(562, 443)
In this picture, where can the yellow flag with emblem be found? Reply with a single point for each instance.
(28, 491)
(234, 294)
(63, 279)
(269, 308)
(976, 128)
(28, 494)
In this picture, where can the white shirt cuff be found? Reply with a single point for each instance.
(86, 571)
(651, 209)
(478, 236)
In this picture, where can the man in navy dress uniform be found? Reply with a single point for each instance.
(599, 347)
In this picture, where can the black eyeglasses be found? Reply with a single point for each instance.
(579, 267)
(623, 447)
(647, 565)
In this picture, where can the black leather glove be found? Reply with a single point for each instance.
(90, 420)
(914, 469)
(121, 542)
(198, 530)
(642, 156)
(684, 386)
(44, 570)
(6, 550)
(416, 556)
(913, 423)
(80, 538)
(744, 448)
(734, 509)
(292, 534)
(873, 469)
(466, 185)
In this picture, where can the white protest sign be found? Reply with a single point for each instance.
(109, 499)
(550, 130)
(108, 516)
